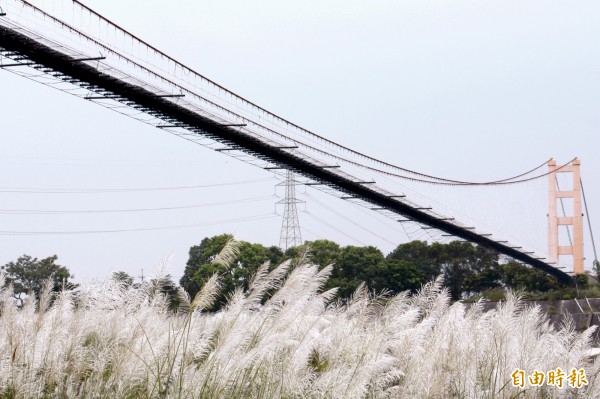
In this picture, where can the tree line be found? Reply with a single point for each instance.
(469, 271)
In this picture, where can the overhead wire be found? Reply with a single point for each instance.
(167, 208)
(393, 219)
(76, 232)
(317, 236)
(320, 220)
(38, 190)
(349, 219)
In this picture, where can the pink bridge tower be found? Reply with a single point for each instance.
(572, 220)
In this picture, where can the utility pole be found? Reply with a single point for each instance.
(290, 226)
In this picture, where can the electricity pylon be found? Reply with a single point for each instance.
(290, 226)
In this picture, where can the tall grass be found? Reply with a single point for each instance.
(111, 341)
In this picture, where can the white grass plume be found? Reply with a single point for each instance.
(229, 253)
(206, 297)
(108, 340)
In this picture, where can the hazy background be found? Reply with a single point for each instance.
(472, 90)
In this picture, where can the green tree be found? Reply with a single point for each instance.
(250, 258)
(166, 286)
(201, 266)
(469, 268)
(466, 268)
(319, 252)
(355, 265)
(28, 275)
(397, 276)
(518, 276)
(427, 258)
(324, 252)
(202, 254)
(581, 280)
(484, 266)
(122, 277)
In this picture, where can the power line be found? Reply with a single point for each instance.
(321, 220)
(38, 190)
(366, 211)
(184, 226)
(61, 212)
(350, 220)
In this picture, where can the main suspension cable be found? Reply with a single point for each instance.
(277, 117)
(430, 179)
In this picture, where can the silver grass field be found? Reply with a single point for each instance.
(282, 338)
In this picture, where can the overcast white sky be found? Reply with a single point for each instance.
(472, 90)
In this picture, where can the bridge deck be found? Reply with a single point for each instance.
(78, 72)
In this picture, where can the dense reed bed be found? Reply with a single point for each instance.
(282, 338)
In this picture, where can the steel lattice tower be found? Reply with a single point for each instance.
(290, 226)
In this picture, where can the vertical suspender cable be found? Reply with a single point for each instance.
(587, 214)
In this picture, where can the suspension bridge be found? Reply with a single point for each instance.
(75, 49)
